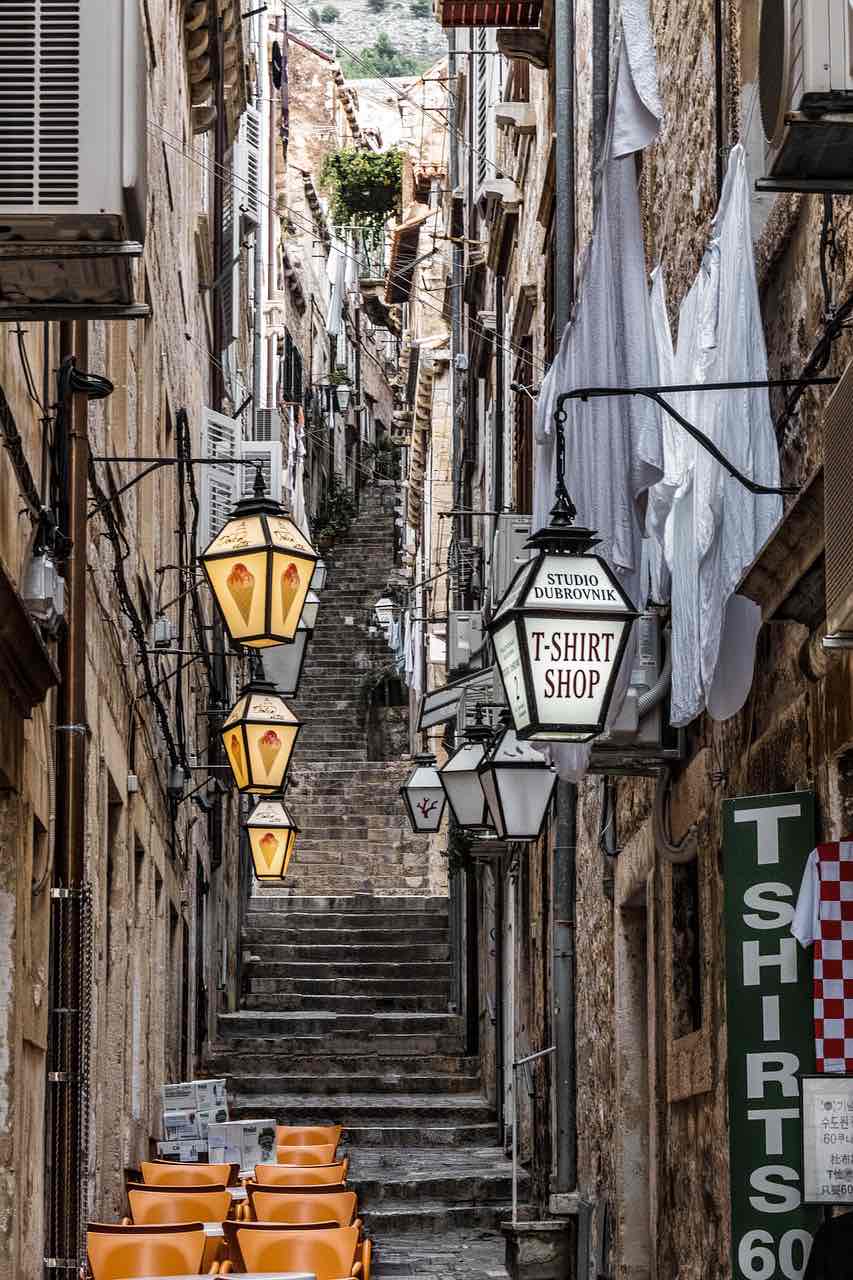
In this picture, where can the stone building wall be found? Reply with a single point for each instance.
(149, 1014)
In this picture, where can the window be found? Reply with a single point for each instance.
(522, 445)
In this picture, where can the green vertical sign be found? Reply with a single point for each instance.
(766, 842)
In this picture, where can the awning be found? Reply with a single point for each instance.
(405, 237)
(439, 706)
(488, 13)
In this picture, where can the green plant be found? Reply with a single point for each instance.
(420, 8)
(329, 13)
(377, 6)
(365, 186)
(314, 15)
(380, 60)
(459, 845)
(336, 513)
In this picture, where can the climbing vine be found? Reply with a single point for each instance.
(365, 186)
(336, 513)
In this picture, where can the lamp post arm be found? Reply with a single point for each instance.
(154, 464)
(656, 394)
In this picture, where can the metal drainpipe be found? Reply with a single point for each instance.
(499, 396)
(563, 889)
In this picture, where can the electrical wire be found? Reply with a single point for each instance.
(263, 200)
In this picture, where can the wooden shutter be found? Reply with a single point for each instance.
(220, 485)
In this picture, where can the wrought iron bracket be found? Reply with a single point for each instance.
(656, 395)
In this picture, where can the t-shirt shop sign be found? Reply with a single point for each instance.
(767, 841)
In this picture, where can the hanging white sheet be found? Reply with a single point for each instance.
(715, 527)
(614, 447)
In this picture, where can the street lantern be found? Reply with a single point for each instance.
(423, 796)
(272, 838)
(518, 784)
(259, 735)
(310, 610)
(343, 395)
(259, 567)
(561, 629)
(318, 580)
(283, 663)
(461, 781)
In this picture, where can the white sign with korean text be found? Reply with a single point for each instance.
(827, 1139)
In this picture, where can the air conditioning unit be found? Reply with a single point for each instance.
(269, 425)
(838, 512)
(509, 552)
(464, 636)
(806, 94)
(72, 155)
(641, 739)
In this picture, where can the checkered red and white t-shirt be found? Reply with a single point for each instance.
(824, 916)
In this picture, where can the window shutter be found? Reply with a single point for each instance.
(482, 107)
(220, 487)
(250, 149)
(229, 282)
(269, 452)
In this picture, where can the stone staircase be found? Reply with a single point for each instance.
(346, 1013)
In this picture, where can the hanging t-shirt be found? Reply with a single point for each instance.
(824, 916)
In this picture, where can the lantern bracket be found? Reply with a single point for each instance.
(152, 464)
(656, 395)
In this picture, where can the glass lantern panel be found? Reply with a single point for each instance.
(269, 850)
(508, 655)
(240, 587)
(236, 712)
(487, 782)
(235, 749)
(571, 662)
(462, 785)
(291, 575)
(269, 707)
(285, 536)
(283, 663)
(525, 794)
(318, 579)
(243, 533)
(575, 582)
(427, 806)
(270, 747)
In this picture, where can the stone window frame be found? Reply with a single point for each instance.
(689, 1058)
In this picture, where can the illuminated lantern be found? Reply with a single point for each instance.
(518, 784)
(559, 635)
(272, 839)
(423, 796)
(259, 735)
(260, 567)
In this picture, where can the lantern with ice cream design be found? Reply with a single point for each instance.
(260, 568)
(272, 836)
(259, 735)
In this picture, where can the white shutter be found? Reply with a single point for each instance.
(269, 451)
(250, 162)
(229, 283)
(220, 486)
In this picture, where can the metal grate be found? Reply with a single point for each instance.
(838, 504)
(18, 88)
(67, 1097)
(59, 102)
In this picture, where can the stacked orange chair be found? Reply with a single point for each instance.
(316, 1176)
(172, 1174)
(115, 1252)
(330, 1253)
(155, 1205)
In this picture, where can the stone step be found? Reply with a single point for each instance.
(383, 1058)
(239, 1048)
(347, 1005)
(449, 1082)
(273, 900)
(433, 1216)
(319, 929)
(257, 1023)
(446, 1255)
(372, 955)
(331, 981)
(395, 1108)
(474, 1175)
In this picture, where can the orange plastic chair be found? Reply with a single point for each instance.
(295, 1135)
(306, 1209)
(288, 1175)
(170, 1173)
(152, 1205)
(306, 1155)
(116, 1252)
(264, 1246)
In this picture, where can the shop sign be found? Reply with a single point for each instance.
(766, 842)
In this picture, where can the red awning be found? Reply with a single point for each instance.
(488, 13)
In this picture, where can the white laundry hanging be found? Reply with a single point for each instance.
(715, 527)
(613, 446)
